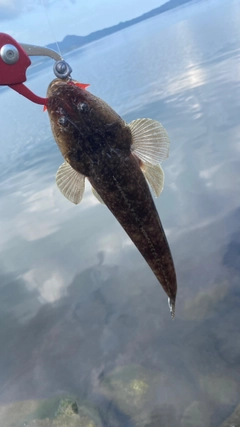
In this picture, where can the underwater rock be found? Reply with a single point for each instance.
(205, 304)
(221, 389)
(234, 419)
(131, 388)
(148, 397)
(88, 415)
(38, 423)
(67, 407)
(163, 415)
(18, 414)
(197, 414)
(55, 412)
(73, 420)
(70, 413)
(63, 421)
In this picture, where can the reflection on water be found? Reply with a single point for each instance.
(85, 330)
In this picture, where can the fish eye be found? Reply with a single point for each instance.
(82, 106)
(63, 121)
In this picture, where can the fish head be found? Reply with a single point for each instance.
(68, 111)
(83, 124)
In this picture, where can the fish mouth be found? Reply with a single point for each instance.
(55, 85)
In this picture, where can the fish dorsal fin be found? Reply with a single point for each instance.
(95, 193)
(71, 183)
(150, 142)
(155, 177)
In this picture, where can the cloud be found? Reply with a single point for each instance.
(10, 9)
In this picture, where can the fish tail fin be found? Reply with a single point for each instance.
(171, 304)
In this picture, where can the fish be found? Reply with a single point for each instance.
(121, 161)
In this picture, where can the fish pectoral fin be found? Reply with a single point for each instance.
(150, 141)
(155, 177)
(95, 193)
(71, 183)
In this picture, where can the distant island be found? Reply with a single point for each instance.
(70, 43)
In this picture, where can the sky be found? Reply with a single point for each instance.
(46, 21)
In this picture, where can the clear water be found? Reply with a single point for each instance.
(81, 313)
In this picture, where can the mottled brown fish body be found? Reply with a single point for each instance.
(97, 143)
(129, 199)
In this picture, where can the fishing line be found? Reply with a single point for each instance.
(51, 28)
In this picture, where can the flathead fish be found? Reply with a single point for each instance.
(119, 160)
